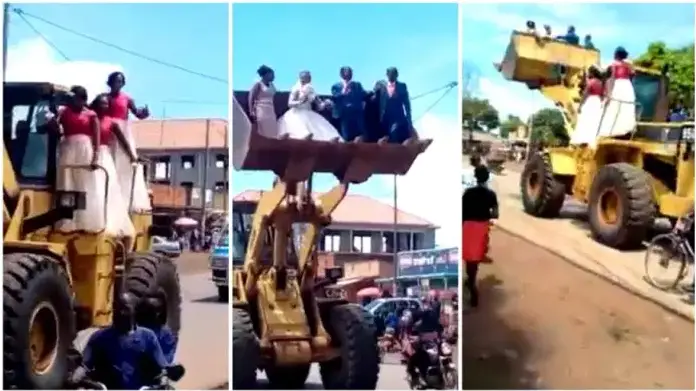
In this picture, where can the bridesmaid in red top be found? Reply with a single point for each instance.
(134, 190)
(79, 147)
(620, 113)
(117, 222)
(590, 111)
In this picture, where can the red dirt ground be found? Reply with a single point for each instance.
(544, 323)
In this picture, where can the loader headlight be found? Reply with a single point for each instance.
(333, 273)
(74, 200)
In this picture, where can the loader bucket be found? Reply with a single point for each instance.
(529, 59)
(297, 160)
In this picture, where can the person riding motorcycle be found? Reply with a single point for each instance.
(154, 317)
(426, 327)
(123, 356)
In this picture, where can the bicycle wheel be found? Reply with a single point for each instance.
(665, 262)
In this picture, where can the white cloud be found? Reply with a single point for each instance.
(512, 98)
(34, 60)
(431, 189)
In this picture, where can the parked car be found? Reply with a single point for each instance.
(380, 308)
(219, 265)
(170, 248)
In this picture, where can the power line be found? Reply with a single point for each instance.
(43, 37)
(450, 85)
(22, 14)
(450, 88)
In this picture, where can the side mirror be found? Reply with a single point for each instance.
(176, 372)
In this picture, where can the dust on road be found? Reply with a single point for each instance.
(544, 323)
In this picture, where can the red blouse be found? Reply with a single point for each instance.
(106, 124)
(76, 123)
(621, 70)
(118, 106)
(594, 87)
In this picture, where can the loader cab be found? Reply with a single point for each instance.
(648, 88)
(242, 215)
(242, 220)
(27, 139)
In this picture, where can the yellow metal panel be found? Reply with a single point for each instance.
(562, 161)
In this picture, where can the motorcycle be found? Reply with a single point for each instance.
(440, 373)
(165, 381)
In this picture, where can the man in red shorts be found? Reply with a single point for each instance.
(479, 207)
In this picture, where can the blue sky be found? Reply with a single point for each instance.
(487, 29)
(194, 36)
(294, 37)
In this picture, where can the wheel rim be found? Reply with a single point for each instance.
(534, 184)
(43, 337)
(609, 207)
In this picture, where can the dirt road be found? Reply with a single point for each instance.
(544, 323)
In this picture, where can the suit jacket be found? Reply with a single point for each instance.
(353, 100)
(401, 92)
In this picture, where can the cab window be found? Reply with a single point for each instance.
(647, 88)
(29, 143)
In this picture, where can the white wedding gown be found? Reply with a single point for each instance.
(300, 120)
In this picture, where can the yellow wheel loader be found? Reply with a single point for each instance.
(57, 283)
(626, 181)
(284, 317)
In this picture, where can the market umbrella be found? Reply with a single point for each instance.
(185, 222)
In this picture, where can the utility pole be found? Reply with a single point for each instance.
(396, 239)
(226, 166)
(206, 162)
(5, 32)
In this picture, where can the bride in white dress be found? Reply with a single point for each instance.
(300, 121)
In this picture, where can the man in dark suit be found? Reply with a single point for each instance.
(348, 98)
(394, 108)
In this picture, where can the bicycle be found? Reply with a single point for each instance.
(672, 245)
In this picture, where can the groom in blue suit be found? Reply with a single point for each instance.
(394, 108)
(349, 106)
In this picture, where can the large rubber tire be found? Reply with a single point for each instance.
(548, 200)
(246, 347)
(636, 207)
(352, 329)
(148, 272)
(288, 378)
(31, 281)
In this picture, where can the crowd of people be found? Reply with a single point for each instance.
(97, 135)
(570, 37)
(348, 105)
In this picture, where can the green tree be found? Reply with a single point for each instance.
(680, 65)
(479, 115)
(548, 126)
(510, 125)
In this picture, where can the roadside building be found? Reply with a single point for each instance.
(360, 237)
(188, 163)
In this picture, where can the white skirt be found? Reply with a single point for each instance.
(300, 123)
(587, 127)
(131, 178)
(104, 210)
(620, 112)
